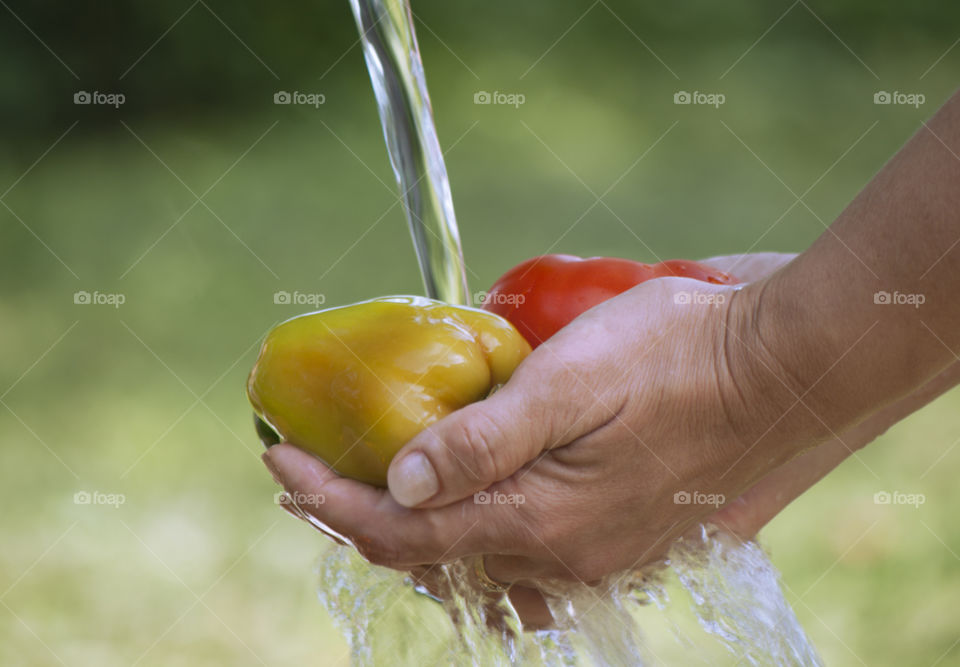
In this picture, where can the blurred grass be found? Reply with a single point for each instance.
(197, 567)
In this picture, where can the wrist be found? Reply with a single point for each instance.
(770, 363)
(844, 353)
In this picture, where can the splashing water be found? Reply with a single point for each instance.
(733, 587)
(736, 590)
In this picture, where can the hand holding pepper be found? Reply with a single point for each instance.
(647, 399)
(641, 396)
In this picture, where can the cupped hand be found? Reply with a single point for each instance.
(583, 463)
(543, 513)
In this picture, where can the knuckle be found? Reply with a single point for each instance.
(484, 461)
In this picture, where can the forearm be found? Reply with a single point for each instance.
(746, 515)
(843, 351)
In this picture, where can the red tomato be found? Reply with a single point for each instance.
(543, 294)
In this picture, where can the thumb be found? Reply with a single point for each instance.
(470, 449)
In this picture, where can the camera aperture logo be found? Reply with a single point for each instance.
(884, 298)
(896, 97)
(498, 498)
(698, 498)
(299, 499)
(85, 298)
(296, 97)
(496, 97)
(114, 100)
(700, 99)
(296, 298)
(899, 498)
(482, 298)
(114, 500)
(696, 298)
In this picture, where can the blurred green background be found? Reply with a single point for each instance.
(197, 566)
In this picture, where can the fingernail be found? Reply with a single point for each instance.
(413, 480)
(272, 467)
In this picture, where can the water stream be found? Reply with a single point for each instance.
(393, 59)
(731, 587)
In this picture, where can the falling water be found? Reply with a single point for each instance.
(731, 586)
(393, 59)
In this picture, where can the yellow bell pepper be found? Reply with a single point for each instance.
(353, 384)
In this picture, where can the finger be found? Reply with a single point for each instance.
(291, 508)
(528, 603)
(384, 532)
(751, 266)
(525, 571)
(531, 608)
(475, 446)
(531, 572)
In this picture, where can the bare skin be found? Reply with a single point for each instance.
(747, 514)
(748, 394)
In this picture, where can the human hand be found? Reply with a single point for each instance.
(657, 391)
(746, 514)
(789, 364)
